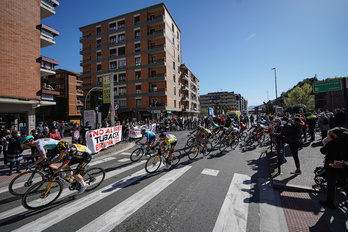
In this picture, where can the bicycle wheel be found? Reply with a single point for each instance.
(137, 154)
(223, 145)
(153, 163)
(234, 143)
(47, 192)
(21, 183)
(194, 152)
(93, 178)
(176, 158)
(190, 142)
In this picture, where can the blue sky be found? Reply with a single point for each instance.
(230, 45)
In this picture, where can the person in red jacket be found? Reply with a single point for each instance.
(54, 134)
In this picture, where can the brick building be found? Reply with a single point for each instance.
(69, 84)
(189, 92)
(142, 52)
(22, 35)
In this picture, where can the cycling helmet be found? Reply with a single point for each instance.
(143, 130)
(27, 139)
(198, 127)
(62, 146)
(162, 135)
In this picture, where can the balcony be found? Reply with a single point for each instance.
(79, 82)
(155, 32)
(155, 90)
(79, 92)
(47, 35)
(47, 66)
(154, 61)
(78, 111)
(47, 8)
(160, 75)
(157, 46)
(153, 17)
(79, 103)
(153, 104)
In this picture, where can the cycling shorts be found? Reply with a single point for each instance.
(172, 145)
(82, 163)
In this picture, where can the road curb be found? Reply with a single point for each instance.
(295, 188)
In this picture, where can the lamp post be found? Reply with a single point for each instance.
(275, 77)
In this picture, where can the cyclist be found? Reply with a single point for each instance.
(150, 137)
(203, 135)
(42, 145)
(216, 128)
(74, 154)
(168, 141)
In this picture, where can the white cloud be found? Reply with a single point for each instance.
(250, 37)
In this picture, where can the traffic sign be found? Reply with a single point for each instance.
(327, 86)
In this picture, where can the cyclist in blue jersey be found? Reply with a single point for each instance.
(150, 137)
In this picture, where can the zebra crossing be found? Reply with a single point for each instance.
(233, 215)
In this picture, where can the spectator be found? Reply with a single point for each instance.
(311, 120)
(54, 134)
(84, 130)
(4, 142)
(15, 150)
(292, 134)
(45, 132)
(279, 141)
(304, 129)
(336, 149)
(61, 129)
(75, 134)
(40, 128)
(341, 118)
(332, 120)
(324, 125)
(34, 150)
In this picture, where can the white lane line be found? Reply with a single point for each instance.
(5, 189)
(123, 160)
(210, 172)
(271, 212)
(234, 211)
(122, 211)
(20, 210)
(125, 153)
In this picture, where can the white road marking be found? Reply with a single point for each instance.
(122, 211)
(12, 213)
(125, 153)
(210, 172)
(101, 161)
(124, 160)
(234, 211)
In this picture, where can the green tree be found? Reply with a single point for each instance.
(301, 95)
(204, 112)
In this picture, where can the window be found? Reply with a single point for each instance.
(153, 59)
(99, 80)
(174, 103)
(99, 56)
(121, 38)
(172, 27)
(153, 88)
(152, 31)
(136, 34)
(112, 39)
(174, 79)
(136, 19)
(115, 92)
(173, 41)
(122, 77)
(138, 89)
(121, 51)
(137, 47)
(173, 65)
(152, 45)
(138, 103)
(112, 26)
(57, 87)
(137, 75)
(99, 68)
(153, 73)
(122, 90)
(98, 30)
(177, 34)
(137, 61)
(121, 63)
(174, 90)
(154, 101)
(98, 43)
(122, 103)
(112, 52)
(152, 17)
(121, 24)
(113, 65)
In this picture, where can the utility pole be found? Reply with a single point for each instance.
(275, 78)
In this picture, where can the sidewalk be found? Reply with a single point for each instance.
(115, 149)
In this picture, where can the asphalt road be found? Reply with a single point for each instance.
(226, 191)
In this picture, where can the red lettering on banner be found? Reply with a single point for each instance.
(99, 146)
(95, 133)
(101, 131)
(107, 131)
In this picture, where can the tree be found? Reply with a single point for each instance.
(300, 95)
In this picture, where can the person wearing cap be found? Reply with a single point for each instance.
(292, 134)
(54, 134)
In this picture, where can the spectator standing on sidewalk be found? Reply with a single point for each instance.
(335, 150)
(279, 140)
(75, 134)
(324, 125)
(311, 120)
(54, 134)
(15, 150)
(84, 130)
(332, 120)
(341, 118)
(292, 134)
(5, 140)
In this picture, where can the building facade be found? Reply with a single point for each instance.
(22, 35)
(142, 52)
(189, 92)
(69, 84)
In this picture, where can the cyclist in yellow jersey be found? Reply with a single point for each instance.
(205, 135)
(168, 143)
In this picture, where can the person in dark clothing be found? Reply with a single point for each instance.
(84, 130)
(335, 150)
(15, 150)
(311, 120)
(278, 139)
(292, 134)
(332, 120)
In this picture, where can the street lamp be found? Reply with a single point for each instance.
(275, 76)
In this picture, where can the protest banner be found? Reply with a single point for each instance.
(103, 137)
(135, 132)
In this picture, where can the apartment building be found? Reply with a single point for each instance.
(189, 92)
(68, 84)
(142, 52)
(221, 102)
(22, 35)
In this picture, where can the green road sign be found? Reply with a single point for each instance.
(327, 86)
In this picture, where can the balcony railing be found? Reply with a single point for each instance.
(152, 18)
(157, 61)
(156, 32)
(154, 90)
(47, 63)
(79, 91)
(152, 104)
(158, 75)
(137, 91)
(84, 61)
(50, 3)
(157, 46)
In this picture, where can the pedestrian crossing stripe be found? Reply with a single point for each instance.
(210, 172)
(125, 153)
